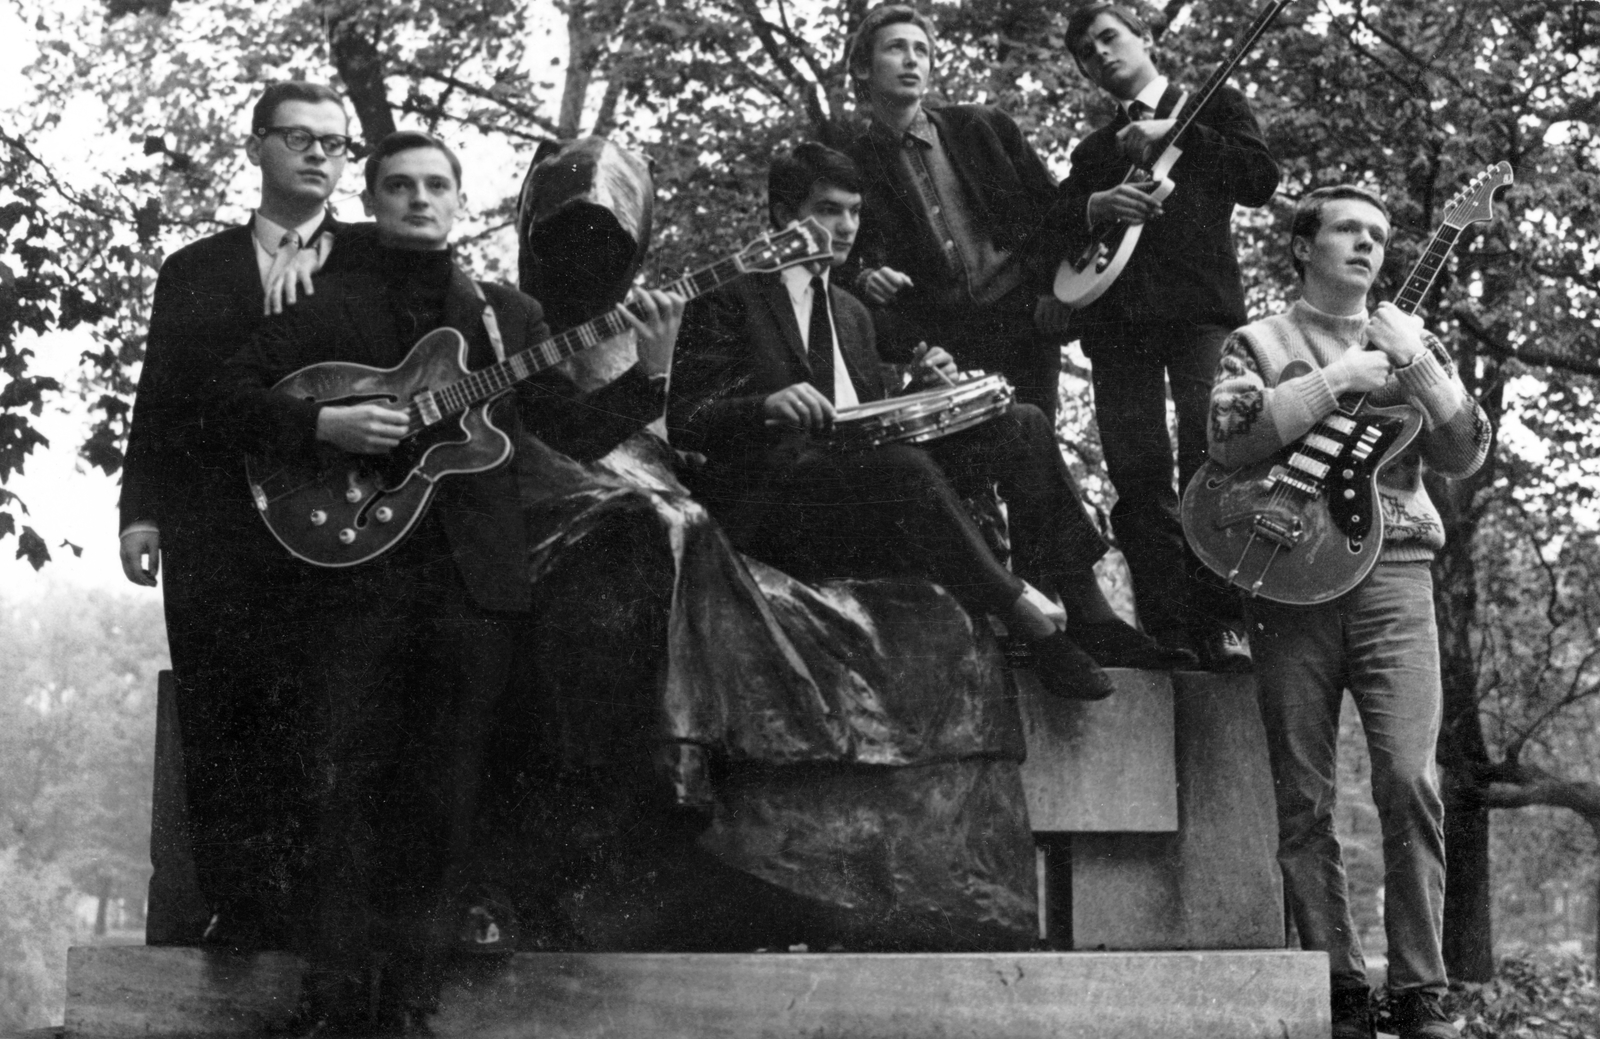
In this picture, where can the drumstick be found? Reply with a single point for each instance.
(921, 352)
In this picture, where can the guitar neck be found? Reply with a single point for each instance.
(484, 383)
(1199, 99)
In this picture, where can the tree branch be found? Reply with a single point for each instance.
(473, 90)
(1504, 351)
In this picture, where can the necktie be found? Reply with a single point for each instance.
(819, 339)
(288, 249)
(1138, 110)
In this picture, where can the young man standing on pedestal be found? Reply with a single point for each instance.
(1166, 316)
(185, 508)
(950, 250)
(1379, 640)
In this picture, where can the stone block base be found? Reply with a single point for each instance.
(166, 993)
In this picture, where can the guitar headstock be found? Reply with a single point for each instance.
(1475, 202)
(804, 242)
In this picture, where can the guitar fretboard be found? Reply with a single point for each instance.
(497, 378)
(1197, 100)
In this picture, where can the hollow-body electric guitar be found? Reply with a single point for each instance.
(351, 508)
(1086, 274)
(1305, 525)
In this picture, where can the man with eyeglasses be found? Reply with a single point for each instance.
(185, 510)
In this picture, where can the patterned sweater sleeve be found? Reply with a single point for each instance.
(1251, 420)
(1456, 431)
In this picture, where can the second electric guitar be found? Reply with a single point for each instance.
(1305, 525)
(351, 508)
(1084, 276)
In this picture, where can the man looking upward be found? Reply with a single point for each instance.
(954, 197)
(185, 509)
(1167, 315)
(1379, 641)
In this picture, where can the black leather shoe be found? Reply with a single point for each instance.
(1226, 651)
(1352, 1014)
(1420, 1015)
(1067, 671)
(1114, 643)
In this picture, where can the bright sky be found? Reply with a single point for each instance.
(68, 500)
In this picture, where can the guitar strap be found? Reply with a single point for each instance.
(491, 324)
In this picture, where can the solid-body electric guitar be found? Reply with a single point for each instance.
(1086, 274)
(352, 508)
(1305, 525)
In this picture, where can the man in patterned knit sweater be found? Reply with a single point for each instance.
(1379, 640)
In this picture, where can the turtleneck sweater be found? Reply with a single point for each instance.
(1254, 416)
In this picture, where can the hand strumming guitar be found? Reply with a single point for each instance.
(362, 429)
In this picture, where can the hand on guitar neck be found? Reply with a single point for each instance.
(655, 315)
(1394, 340)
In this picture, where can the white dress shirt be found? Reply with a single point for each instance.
(798, 281)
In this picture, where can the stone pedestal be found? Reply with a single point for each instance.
(1129, 872)
(120, 993)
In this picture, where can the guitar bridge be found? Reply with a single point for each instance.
(1285, 535)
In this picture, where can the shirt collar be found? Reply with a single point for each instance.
(268, 233)
(921, 130)
(1150, 95)
(797, 279)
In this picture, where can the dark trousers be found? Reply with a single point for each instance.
(899, 509)
(1000, 337)
(406, 676)
(235, 638)
(1173, 591)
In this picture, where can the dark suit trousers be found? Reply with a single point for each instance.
(1132, 366)
(405, 678)
(898, 509)
(235, 640)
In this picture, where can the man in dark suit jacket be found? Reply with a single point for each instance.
(954, 245)
(763, 367)
(1166, 316)
(419, 647)
(184, 509)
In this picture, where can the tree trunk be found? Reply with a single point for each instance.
(352, 44)
(1468, 930)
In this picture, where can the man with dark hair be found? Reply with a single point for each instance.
(1167, 315)
(951, 248)
(1379, 640)
(421, 645)
(764, 367)
(184, 509)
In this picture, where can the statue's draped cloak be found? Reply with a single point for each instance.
(852, 744)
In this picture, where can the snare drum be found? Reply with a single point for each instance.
(919, 417)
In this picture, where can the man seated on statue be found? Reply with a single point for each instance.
(414, 649)
(1379, 640)
(764, 365)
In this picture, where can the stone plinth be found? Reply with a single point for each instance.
(169, 993)
(1104, 767)
(1214, 884)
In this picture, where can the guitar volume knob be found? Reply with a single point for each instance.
(318, 517)
(352, 495)
(347, 536)
(383, 514)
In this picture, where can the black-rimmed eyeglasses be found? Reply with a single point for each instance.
(298, 139)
